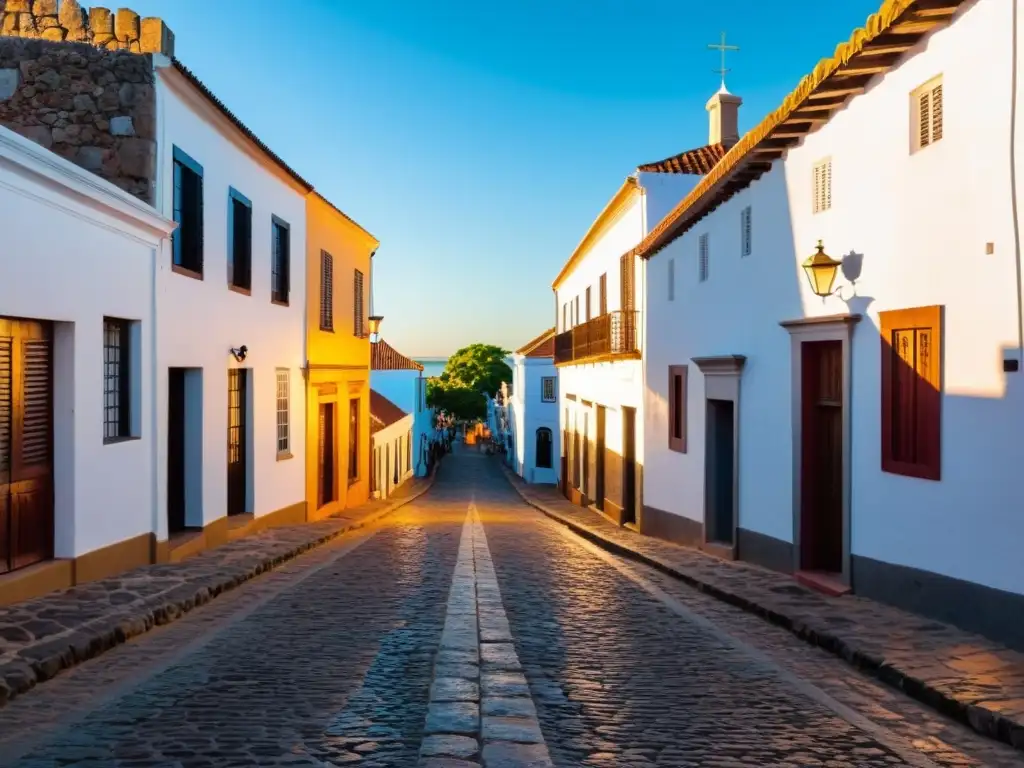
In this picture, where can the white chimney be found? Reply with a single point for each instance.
(723, 112)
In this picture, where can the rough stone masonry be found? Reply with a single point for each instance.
(80, 83)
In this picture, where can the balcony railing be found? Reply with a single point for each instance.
(614, 333)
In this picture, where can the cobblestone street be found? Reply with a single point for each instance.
(468, 629)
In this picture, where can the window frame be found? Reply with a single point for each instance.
(286, 451)
(927, 88)
(122, 427)
(677, 407)
(928, 400)
(193, 266)
(554, 389)
(234, 196)
(280, 266)
(326, 291)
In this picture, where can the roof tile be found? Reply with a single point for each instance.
(383, 413)
(384, 357)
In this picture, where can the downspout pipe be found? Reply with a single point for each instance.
(1013, 179)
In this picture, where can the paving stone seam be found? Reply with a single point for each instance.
(481, 711)
(982, 720)
(38, 663)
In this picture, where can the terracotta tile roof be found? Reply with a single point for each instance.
(383, 413)
(871, 50)
(541, 346)
(696, 161)
(384, 357)
(201, 87)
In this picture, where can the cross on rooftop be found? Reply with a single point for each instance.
(722, 47)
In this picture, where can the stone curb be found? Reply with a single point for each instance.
(37, 664)
(987, 722)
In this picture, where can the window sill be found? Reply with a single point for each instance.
(279, 303)
(549, 400)
(126, 439)
(239, 289)
(186, 272)
(326, 330)
(284, 455)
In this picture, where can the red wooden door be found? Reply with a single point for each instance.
(821, 509)
(26, 444)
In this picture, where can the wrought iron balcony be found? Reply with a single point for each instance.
(610, 335)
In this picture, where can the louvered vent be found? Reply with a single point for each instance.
(927, 114)
(703, 258)
(6, 396)
(746, 232)
(326, 291)
(35, 436)
(823, 186)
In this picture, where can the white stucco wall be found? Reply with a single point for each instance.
(408, 390)
(921, 223)
(76, 249)
(199, 321)
(528, 413)
(392, 438)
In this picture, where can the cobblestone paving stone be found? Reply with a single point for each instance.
(332, 671)
(40, 638)
(966, 676)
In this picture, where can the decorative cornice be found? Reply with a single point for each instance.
(721, 365)
(846, 320)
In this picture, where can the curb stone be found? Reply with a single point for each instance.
(981, 719)
(37, 663)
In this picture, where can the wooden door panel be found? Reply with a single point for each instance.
(6, 412)
(33, 420)
(5, 530)
(237, 480)
(31, 524)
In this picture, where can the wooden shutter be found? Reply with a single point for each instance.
(703, 258)
(936, 112)
(241, 252)
(326, 291)
(626, 278)
(746, 233)
(677, 383)
(924, 114)
(6, 400)
(911, 348)
(603, 298)
(36, 406)
(357, 304)
(588, 303)
(823, 186)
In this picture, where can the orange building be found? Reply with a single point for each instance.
(338, 268)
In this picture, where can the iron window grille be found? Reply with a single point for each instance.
(240, 246)
(326, 291)
(187, 240)
(283, 410)
(280, 262)
(116, 382)
(547, 389)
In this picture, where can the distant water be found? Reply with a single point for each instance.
(432, 366)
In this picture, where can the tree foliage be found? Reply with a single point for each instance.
(470, 373)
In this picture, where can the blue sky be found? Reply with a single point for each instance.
(478, 140)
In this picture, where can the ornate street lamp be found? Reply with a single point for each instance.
(821, 271)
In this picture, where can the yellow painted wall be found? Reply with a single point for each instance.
(339, 361)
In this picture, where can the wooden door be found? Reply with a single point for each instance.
(628, 465)
(26, 443)
(720, 469)
(585, 479)
(821, 472)
(237, 459)
(599, 459)
(325, 452)
(175, 450)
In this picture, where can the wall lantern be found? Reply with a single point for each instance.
(375, 321)
(821, 271)
(240, 353)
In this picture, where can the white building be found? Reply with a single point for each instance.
(401, 380)
(230, 319)
(533, 411)
(599, 295)
(868, 439)
(77, 461)
(391, 445)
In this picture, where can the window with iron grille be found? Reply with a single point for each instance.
(116, 379)
(326, 291)
(358, 306)
(240, 240)
(746, 232)
(823, 185)
(547, 389)
(671, 279)
(926, 114)
(703, 257)
(283, 410)
(187, 240)
(280, 261)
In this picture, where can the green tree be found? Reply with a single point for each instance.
(479, 367)
(460, 402)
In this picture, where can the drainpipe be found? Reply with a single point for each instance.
(1013, 182)
(160, 252)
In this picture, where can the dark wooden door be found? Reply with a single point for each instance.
(237, 478)
(628, 465)
(585, 460)
(26, 443)
(599, 459)
(821, 472)
(627, 297)
(325, 450)
(720, 468)
(175, 450)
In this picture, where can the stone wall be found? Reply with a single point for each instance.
(82, 85)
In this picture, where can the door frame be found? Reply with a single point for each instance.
(827, 328)
(722, 375)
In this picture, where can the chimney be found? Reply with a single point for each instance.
(723, 112)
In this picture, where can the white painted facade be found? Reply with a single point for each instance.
(77, 249)
(930, 227)
(388, 447)
(407, 388)
(528, 413)
(198, 322)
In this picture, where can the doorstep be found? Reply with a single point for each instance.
(965, 676)
(39, 638)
